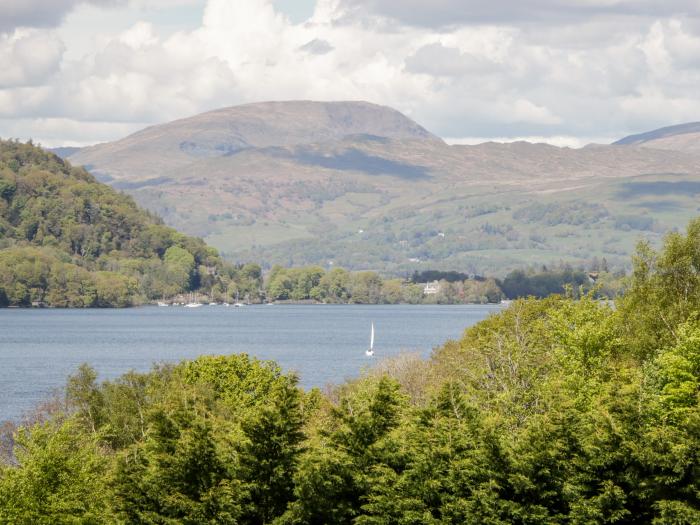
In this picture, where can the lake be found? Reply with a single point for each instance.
(323, 343)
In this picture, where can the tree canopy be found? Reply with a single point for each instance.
(68, 240)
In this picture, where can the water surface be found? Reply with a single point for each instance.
(323, 343)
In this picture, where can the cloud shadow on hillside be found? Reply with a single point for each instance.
(630, 190)
(356, 160)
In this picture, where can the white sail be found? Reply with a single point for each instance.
(370, 352)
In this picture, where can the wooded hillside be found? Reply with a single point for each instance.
(68, 240)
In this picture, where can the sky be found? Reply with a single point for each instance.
(567, 72)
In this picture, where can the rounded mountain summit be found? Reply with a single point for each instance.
(227, 131)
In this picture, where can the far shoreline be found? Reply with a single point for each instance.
(283, 303)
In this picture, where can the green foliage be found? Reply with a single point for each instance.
(178, 474)
(664, 289)
(71, 241)
(179, 267)
(519, 284)
(59, 477)
(436, 275)
(215, 440)
(334, 479)
(270, 451)
(340, 286)
(237, 381)
(552, 214)
(634, 222)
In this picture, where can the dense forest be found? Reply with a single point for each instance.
(555, 411)
(550, 281)
(341, 286)
(68, 240)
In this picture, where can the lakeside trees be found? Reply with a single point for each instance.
(341, 286)
(555, 411)
(68, 240)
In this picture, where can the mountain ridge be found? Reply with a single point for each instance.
(294, 183)
(666, 131)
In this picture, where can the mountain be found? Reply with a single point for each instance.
(360, 185)
(65, 151)
(682, 137)
(68, 240)
(269, 126)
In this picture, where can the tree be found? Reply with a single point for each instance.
(664, 289)
(279, 286)
(180, 265)
(59, 477)
(365, 287)
(392, 291)
(332, 482)
(85, 397)
(177, 475)
(270, 453)
(334, 285)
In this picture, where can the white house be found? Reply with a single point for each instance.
(431, 288)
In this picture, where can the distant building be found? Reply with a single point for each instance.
(431, 288)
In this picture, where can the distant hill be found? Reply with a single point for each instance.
(363, 186)
(669, 131)
(64, 152)
(263, 126)
(682, 137)
(68, 240)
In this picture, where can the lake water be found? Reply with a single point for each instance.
(323, 343)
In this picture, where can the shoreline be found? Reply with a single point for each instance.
(286, 303)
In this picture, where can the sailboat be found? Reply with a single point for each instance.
(193, 302)
(238, 304)
(370, 352)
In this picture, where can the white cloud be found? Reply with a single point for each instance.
(66, 132)
(50, 13)
(140, 35)
(591, 76)
(438, 60)
(29, 57)
(451, 13)
(40, 13)
(564, 141)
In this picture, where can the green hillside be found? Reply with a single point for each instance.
(305, 183)
(490, 231)
(68, 240)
